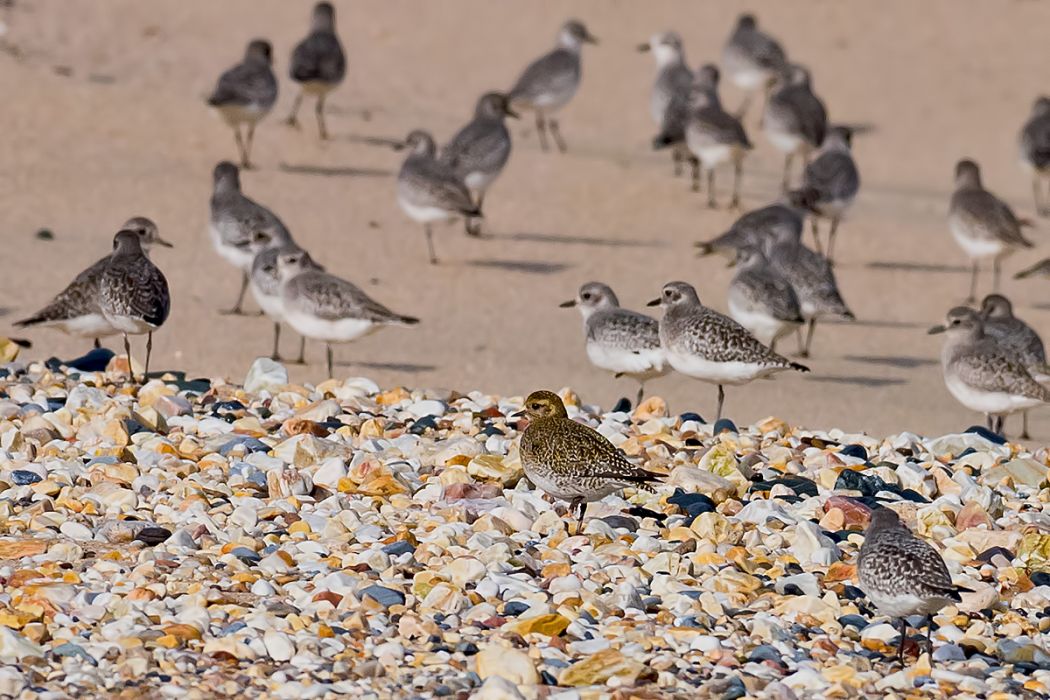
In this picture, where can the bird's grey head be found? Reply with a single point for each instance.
(996, 306)
(268, 260)
(127, 242)
(226, 176)
(323, 18)
(961, 322)
(666, 48)
(494, 105)
(265, 238)
(700, 97)
(420, 143)
(785, 231)
(292, 262)
(675, 294)
(147, 232)
(574, 34)
(883, 518)
(259, 50)
(803, 199)
(1041, 106)
(794, 74)
(749, 255)
(593, 296)
(967, 174)
(746, 21)
(707, 77)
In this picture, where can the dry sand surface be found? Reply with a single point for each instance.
(104, 118)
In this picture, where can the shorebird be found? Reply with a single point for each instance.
(318, 64)
(324, 307)
(619, 340)
(981, 374)
(677, 115)
(1035, 151)
(714, 137)
(550, 82)
(266, 288)
(701, 343)
(982, 224)
(133, 294)
(758, 225)
(75, 310)
(833, 178)
(1017, 337)
(570, 461)
(794, 119)
(752, 58)
(246, 93)
(428, 190)
(479, 151)
(761, 299)
(902, 574)
(238, 225)
(671, 86)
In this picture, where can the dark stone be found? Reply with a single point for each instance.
(74, 650)
(153, 536)
(514, 608)
(622, 406)
(640, 512)
(854, 450)
(398, 548)
(282, 609)
(870, 484)
(799, 484)
(791, 568)
(853, 621)
(1040, 578)
(423, 425)
(689, 415)
(793, 589)
(24, 477)
(839, 535)
(736, 689)
(986, 434)
(232, 627)
(53, 363)
(467, 648)
(133, 427)
(617, 522)
(548, 678)
(490, 430)
(250, 444)
(965, 453)
(852, 592)
(765, 652)
(55, 403)
(724, 425)
(224, 406)
(248, 556)
(692, 504)
(384, 596)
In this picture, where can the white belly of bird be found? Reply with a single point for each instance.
(270, 304)
(763, 326)
(749, 79)
(86, 326)
(238, 257)
(424, 215)
(993, 402)
(550, 102)
(711, 156)
(342, 330)
(242, 114)
(642, 365)
(131, 325)
(905, 605)
(835, 209)
(785, 142)
(479, 181)
(718, 372)
(975, 247)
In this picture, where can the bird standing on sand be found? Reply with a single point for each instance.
(752, 58)
(75, 310)
(902, 574)
(715, 137)
(701, 343)
(834, 180)
(982, 224)
(677, 115)
(794, 120)
(981, 374)
(428, 190)
(758, 225)
(238, 226)
(619, 340)
(266, 288)
(761, 299)
(324, 307)
(1035, 151)
(318, 64)
(479, 151)
(672, 84)
(550, 82)
(133, 294)
(246, 93)
(571, 461)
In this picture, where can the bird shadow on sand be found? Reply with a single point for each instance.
(898, 361)
(871, 382)
(325, 171)
(576, 240)
(530, 267)
(4, 311)
(406, 367)
(874, 323)
(916, 266)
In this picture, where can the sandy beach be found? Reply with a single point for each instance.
(106, 119)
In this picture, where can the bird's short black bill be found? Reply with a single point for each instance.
(654, 302)
(568, 304)
(935, 330)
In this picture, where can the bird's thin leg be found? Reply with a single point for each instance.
(240, 145)
(801, 344)
(973, 284)
(578, 504)
(904, 634)
(1037, 194)
(127, 351)
(773, 344)
(929, 636)
(293, 118)
(301, 360)
(816, 234)
(641, 394)
(276, 355)
(1024, 426)
(676, 159)
(149, 351)
(988, 420)
(787, 172)
(430, 243)
(744, 106)
(711, 203)
(321, 129)
(721, 401)
(809, 337)
(831, 237)
(328, 349)
(694, 164)
(738, 173)
(999, 420)
(995, 274)
(473, 226)
(248, 146)
(98, 343)
(541, 130)
(237, 310)
(556, 134)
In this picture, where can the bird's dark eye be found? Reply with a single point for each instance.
(586, 295)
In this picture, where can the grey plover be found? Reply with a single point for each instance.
(266, 288)
(983, 225)
(75, 310)
(752, 58)
(1035, 151)
(981, 374)
(902, 574)
(670, 92)
(327, 308)
(701, 343)
(318, 64)
(715, 137)
(834, 180)
(237, 226)
(758, 225)
(428, 190)
(550, 82)
(133, 294)
(1017, 337)
(619, 340)
(676, 118)
(246, 93)
(761, 299)
(479, 151)
(571, 461)
(794, 120)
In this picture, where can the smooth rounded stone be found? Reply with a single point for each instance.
(948, 652)
(12, 681)
(510, 664)
(328, 474)
(428, 407)
(386, 597)
(171, 406)
(812, 546)
(760, 511)
(279, 646)
(24, 477)
(498, 688)
(76, 530)
(245, 443)
(806, 584)
(263, 588)
(854, 621)
(621, 522)
(884, 633)
(265, 375)
(15, 648)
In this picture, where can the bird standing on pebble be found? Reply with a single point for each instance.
(571, 461)
(246, 93)
(833, 179)
(318, 64)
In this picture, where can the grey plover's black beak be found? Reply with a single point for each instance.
(160, 241)
(643, 48)
(936, 329)
(654, 302)
(568, 304)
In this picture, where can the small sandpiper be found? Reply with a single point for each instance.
(571, 461)
(676, 117)
(903, 575)
(761, 299)
(758, 225)
(550, 82)
(246, 93)
(981, 374)
(479, 151)
(671, 87)
(834, 180)
(266, 288)
(619, 340)
(983, 225)
(237, 225)
(752, 58)
(715, 137)
(794, 120)
(701, 343)
(428, 190)
(318, 64)
(75, 310)
(324, 307)
(1035, 151)
(133, 294)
